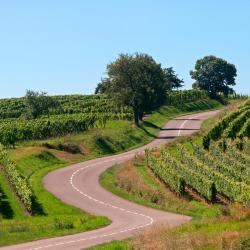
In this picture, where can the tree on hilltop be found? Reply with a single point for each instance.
(214, 75)
(139, 82)
(38, 103)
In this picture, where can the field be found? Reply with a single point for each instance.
(211, 185)
(26, 207)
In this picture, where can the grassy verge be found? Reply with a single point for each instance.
(51, 217)
(114, 245)
(213, 226)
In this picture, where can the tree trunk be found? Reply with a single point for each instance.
(136, 116)
(141, 116)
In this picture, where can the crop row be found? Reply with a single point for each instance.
(236, 125)
(183, 96)
(66, 104)
(168, 168)
(230, 126)
(236, 191)
(245, 131)
(237, 161)
(13, 130)
(222, 166)
(71, 104)
(17, 181)
(205, 172)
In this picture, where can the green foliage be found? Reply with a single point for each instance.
(224, 184)
(19, 183)
(184, 96)
(66, 104)
(167, 174)
(38, 103)
(245, 131)
(214, 75)
(236, 125)
(19, 130)
(232, 125)
(176, 175)
(137, 81)
(207, 172)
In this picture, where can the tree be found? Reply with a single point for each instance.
(38, 104)
(103, 86)
(172, 79)
(138, 82)
(215, 75)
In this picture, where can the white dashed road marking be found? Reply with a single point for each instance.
(150, 219)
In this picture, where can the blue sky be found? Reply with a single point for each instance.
(63, 46)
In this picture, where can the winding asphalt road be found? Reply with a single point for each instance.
(78, 185)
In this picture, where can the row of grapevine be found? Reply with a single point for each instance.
(10, 132)
(18, 182)
(236, 125)
(221, 166)
(184, 96)
(206, 172)
(245, 131)
(230, 126)
(224, 184)
(72, 104)
(168, 174)
(227, 158)
(67, 104)
(238, 155)
(186, 175)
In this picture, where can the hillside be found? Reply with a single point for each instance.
(32, 209)
(211, 185)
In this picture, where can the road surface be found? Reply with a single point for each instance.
(78, 185)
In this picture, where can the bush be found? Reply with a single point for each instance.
(70, 148)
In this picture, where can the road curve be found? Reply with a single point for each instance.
(78, 185)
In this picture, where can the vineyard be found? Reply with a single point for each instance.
(72, 114)
(209, 173)
(67, 104)
(219, 170)
(85, 104)
(234, 125)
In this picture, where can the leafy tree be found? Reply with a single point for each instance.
(172, 79)
(38, 103)
(103, 86)
(139, 82)
(215, 75)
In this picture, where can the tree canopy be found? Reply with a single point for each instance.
(215, 75)
(139, 82)
(38, 103)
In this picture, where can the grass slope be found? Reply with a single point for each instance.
(51, 216)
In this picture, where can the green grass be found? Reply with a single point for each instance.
(53, 217)
(114, 245)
